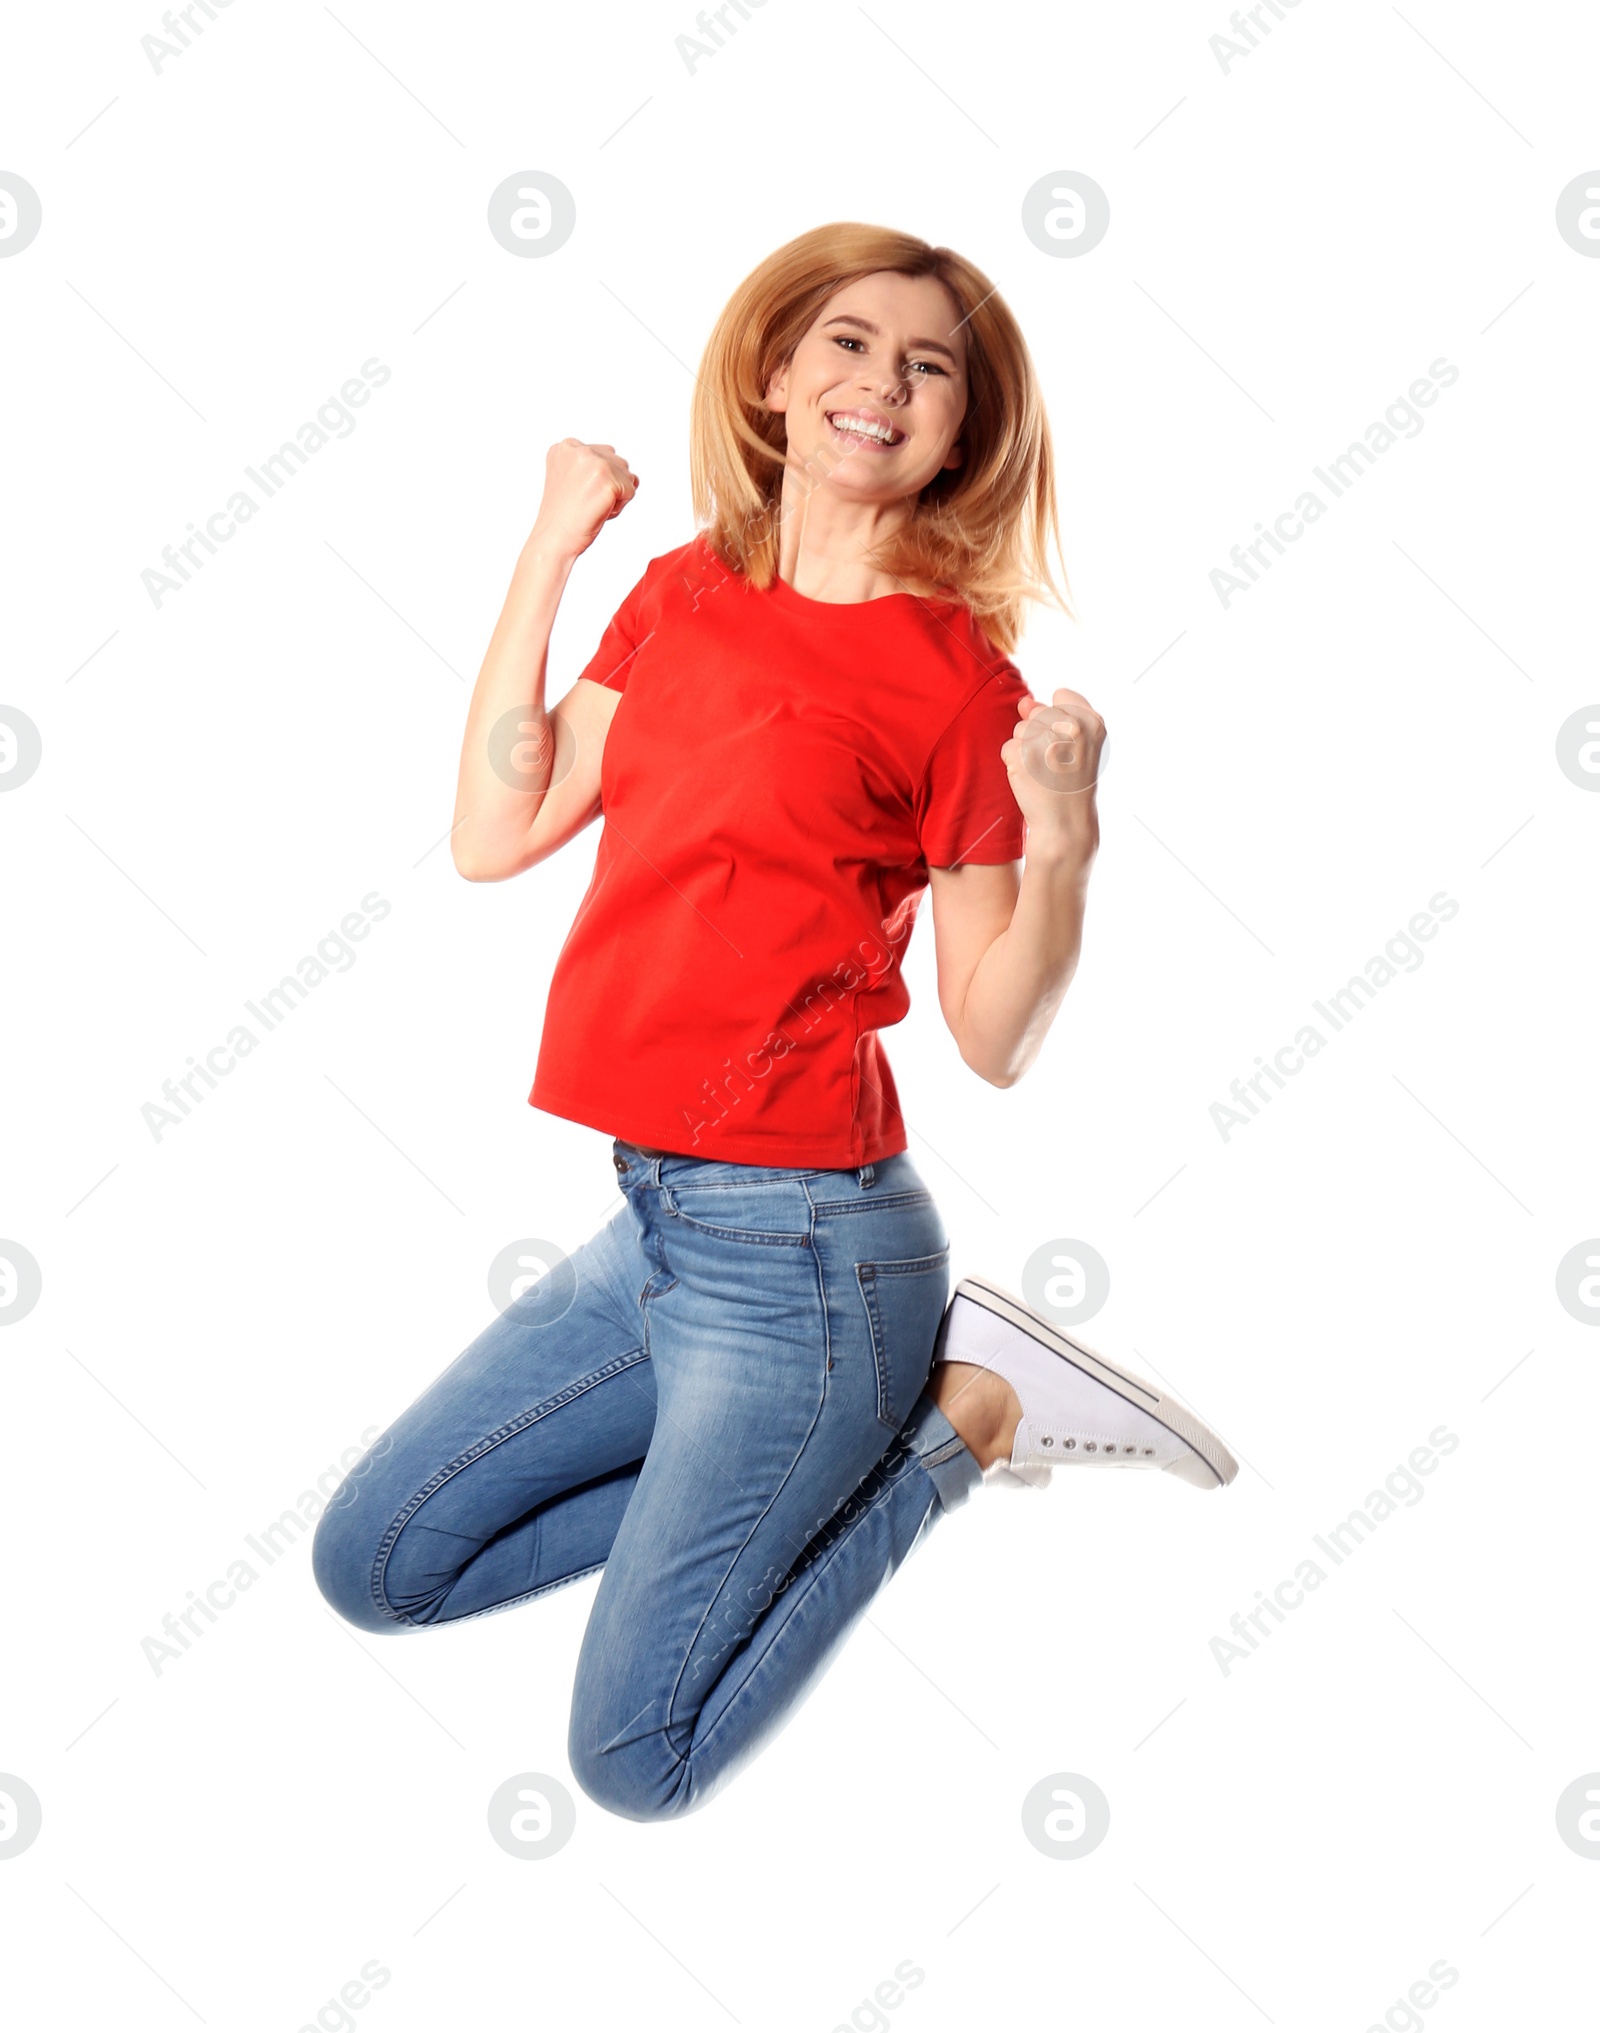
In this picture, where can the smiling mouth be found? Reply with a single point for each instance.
(859, 430)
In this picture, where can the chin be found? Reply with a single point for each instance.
(855, 475)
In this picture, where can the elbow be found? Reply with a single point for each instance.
(496, 861)
(996, 1076)
(473, 866)
(486, 859)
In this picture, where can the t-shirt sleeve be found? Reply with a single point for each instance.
(626, 634)
(964, 807)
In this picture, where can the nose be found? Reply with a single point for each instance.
(889, 392)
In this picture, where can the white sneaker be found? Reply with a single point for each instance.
(1078, 1409)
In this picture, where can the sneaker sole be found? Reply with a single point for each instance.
(1211, 1453)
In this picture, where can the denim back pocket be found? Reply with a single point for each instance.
(905, 1301)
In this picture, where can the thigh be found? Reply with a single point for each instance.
(557, 1392)
(797, 1334)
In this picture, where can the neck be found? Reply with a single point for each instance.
(823, 541)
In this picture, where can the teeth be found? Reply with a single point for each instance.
(862, 428)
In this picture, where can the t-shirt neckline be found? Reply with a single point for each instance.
(781, 590)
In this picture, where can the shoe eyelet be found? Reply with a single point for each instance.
(1090, 1445)
(1072, 1443)
(1047, 1440)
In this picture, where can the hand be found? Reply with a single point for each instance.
(584, 487)
(1053, 761)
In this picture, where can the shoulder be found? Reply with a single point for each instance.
(687, 569)
(669, 564)
(955, 643)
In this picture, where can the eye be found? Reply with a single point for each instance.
(927, 366)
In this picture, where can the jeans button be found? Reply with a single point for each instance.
(620, 1163)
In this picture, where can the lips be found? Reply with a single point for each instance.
(865, 427)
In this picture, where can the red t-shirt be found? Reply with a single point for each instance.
(779, 777)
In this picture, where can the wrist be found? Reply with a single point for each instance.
(545, 553)
(1064, 850)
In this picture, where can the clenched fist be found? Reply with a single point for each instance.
(1053, 761)
(584, 486)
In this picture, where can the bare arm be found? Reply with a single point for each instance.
(1007, 943)
(530, 776)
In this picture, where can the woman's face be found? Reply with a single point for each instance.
(875, 393)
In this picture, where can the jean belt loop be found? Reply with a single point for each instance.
(865, 1176)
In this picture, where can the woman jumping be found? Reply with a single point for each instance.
(746, 1398)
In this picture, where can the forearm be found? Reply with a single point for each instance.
(493, 817)
(1020, 981)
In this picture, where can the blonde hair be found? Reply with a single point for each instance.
(979, 531)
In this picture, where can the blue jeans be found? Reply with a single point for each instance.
(718, 1399)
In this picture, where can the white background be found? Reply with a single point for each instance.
(224, 777)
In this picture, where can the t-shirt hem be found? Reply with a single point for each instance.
(728, 1149)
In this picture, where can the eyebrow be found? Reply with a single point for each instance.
(913, 345)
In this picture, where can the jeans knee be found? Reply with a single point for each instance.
(344, 1557)
(642, 1780)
